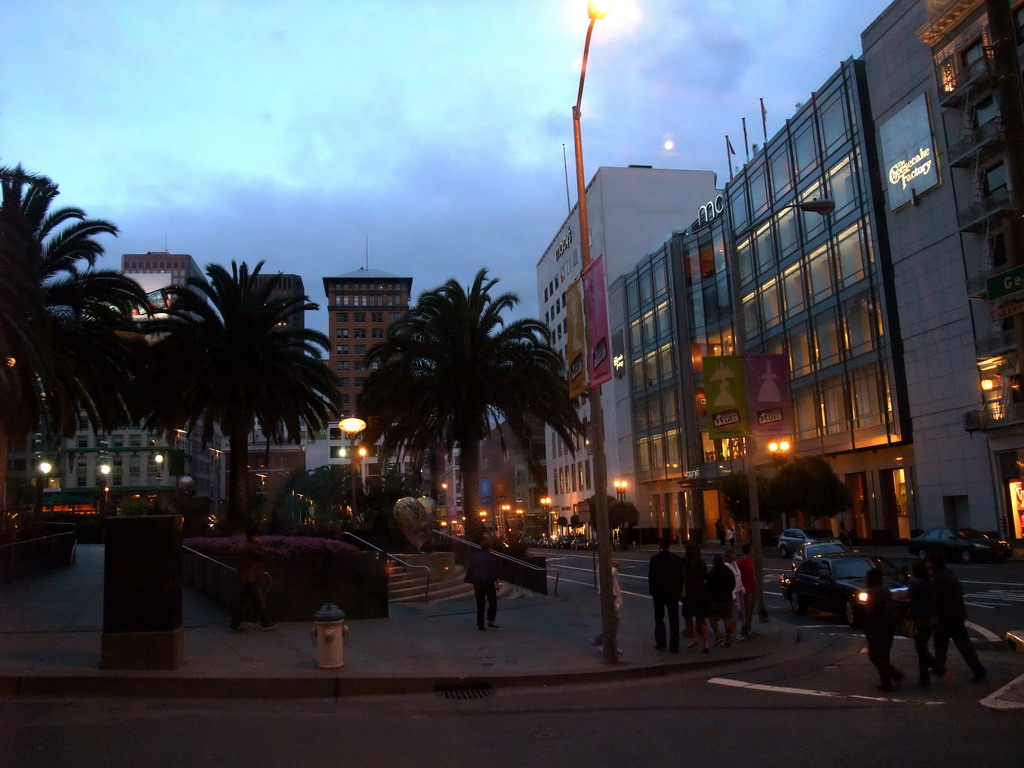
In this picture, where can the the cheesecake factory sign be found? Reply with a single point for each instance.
(908, 152)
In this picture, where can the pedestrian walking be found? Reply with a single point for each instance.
(720, 531)
(738, 591)
(598, 639)
(923, 616)
(721, 584)
(251, 574)
(880, 629)
(696, 605)
(748, 580)
(482, 572)
(951, 613)
(665, 584)
(730, 536)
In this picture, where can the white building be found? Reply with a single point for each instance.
(631, 211)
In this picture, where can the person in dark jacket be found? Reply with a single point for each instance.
(696, 605)
(721, 583)
(250, 578)
(880, 629)
(951, 613)
(924, 612)
(665, 584)
(483, 573)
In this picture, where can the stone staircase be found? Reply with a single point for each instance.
(408, 585)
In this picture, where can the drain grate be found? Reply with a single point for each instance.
(465, 692)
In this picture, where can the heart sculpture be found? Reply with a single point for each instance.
(415, 520)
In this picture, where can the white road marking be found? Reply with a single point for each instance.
(993, 701)
(811, 692)
(982, 631)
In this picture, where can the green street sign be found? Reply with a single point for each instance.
(1006, 283)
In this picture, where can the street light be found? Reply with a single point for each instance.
(620, 489)
(822, 208)
(609, 629)
(352, 427)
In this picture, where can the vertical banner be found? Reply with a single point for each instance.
(771, 410)
(595, 303)
(486, 493)
(725, 386)
(576, 347)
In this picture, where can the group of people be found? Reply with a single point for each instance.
(703, 597)
(936, 612)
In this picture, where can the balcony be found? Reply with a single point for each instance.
(994, 416)
(958, 81)
(977, 145)
(978, 216)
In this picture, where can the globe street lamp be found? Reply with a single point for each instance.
(352, 427)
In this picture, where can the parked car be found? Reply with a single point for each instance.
(581, 542)
(963, 545)
(835, 583)
(791, 538)
(812, 548)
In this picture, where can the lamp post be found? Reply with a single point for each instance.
(352, 427)
(609, 627)
(822, 208)
(620, 489)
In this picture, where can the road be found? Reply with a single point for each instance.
(815, 704)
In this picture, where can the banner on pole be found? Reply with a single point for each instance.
(595, 303)
(576, 346)
(725, 388)
(770, 405)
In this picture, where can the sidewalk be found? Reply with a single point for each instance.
(52, 627)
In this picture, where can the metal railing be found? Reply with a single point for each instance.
(503, 556)
(21, 558)
(400, 561)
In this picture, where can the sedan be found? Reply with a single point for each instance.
(964, 545)
(835, 583)
(810, 549)
(791, 538)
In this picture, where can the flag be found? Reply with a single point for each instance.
(746, 144)
(728, 145)
(764, 120)
(729, 152)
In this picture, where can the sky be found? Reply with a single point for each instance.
(424, 138)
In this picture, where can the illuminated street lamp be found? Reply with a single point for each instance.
(604, 551)
(352, 427)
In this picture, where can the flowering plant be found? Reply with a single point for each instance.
(285, 546)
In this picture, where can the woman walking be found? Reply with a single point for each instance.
(924, 614)
(696, 605)
(880, 628)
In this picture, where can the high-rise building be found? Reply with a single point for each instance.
(361, 305)
(630, 211)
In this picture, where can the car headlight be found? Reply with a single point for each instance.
(862, 596)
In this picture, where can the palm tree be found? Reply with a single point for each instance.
(224, 355)
(452, 368)
(67, 339)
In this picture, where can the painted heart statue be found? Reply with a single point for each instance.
(415, 520)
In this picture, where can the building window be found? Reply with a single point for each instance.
(360, 349)
(793, 287)
(820, 273)
(378, 333)
(833, 403)
(359, 333)
(850, 257)
(376, 317)
(343, 381)
(342, 349)
(359, 317)
(865, 398)
(341, 317)
(861, 321)
(995, 180)
(826, 339)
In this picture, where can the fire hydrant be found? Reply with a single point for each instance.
(329, 636)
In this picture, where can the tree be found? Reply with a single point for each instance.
(224, 355)
(619, 512)
(808, 484)
(736, 492)
(67, 340)
(452, 368)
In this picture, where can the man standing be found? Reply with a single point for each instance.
(665, 584)
(483, 573)
(951, 614)
(746, 566)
